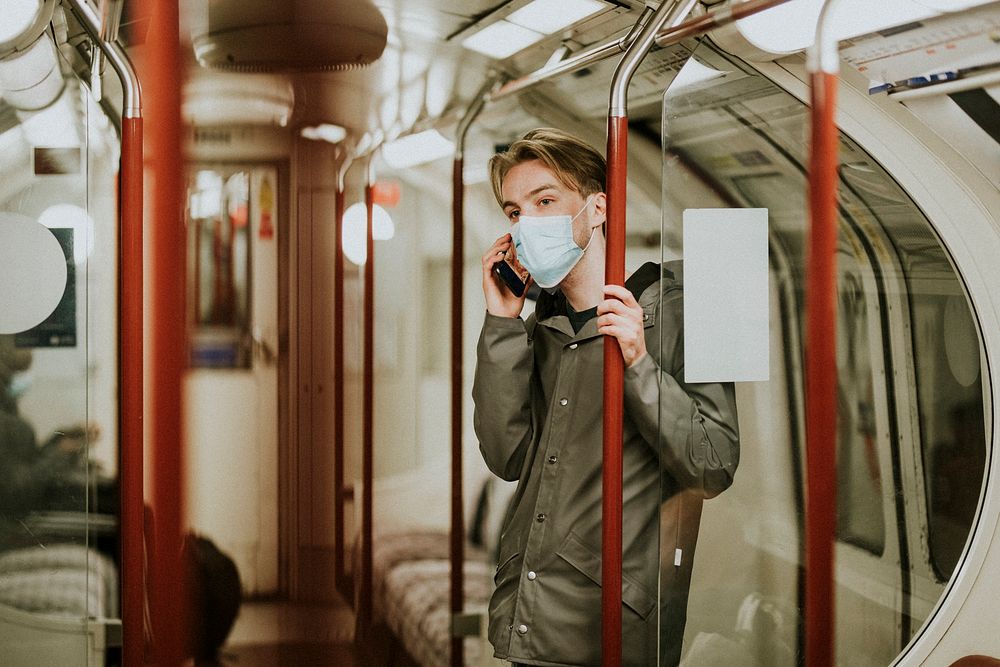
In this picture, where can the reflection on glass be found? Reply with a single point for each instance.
(911, 437)
(58, 382)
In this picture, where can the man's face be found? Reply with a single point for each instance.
(531, 188)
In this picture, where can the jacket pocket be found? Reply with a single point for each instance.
(588, 562)
(507, 560)
(648, 316)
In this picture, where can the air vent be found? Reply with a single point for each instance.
(296, 36)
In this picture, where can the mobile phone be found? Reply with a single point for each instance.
(512, 274)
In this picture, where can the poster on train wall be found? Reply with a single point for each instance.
(725, 295)
(266, 204)
(59, 328)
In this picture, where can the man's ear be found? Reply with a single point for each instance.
(600, 205)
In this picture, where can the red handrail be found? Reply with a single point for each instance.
(130, 331)
(821, 374)
(614, 384)
(365, 592)
(340, 576)
(457, 533)
(130, 391)
(668, 13)
(169, 333)
(823, 64)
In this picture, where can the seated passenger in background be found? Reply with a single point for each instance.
(538, 413)
(52, 476)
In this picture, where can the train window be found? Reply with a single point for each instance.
(946, 355)
(911, 447)
(220, 266)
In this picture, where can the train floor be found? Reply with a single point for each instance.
(295, 634)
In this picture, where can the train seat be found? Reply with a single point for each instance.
(61, 579)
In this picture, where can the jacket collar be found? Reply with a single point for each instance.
(551, 310)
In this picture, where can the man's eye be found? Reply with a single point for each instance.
(545, 202)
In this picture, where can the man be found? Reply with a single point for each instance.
(538, 413)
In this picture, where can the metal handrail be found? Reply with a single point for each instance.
(670, 15)
(130, 339)
(573, 63)
(366, 596)
(614, 364)
(340, 572)
(120, 62)
(715, 18)
(457, 531)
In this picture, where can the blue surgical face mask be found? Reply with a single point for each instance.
(546, 248)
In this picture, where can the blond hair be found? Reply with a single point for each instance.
(576, 164)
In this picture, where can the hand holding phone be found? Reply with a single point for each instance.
(513, 275)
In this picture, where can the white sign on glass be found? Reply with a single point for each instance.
(725, 295)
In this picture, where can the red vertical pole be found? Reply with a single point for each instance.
(821, 374)
(130, 391)
(367, 472)
(614, 385)
(169, 333)
(340, 576)
(457, 534)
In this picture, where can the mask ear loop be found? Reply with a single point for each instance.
(592, 229)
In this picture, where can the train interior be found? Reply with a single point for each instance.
(716, 122)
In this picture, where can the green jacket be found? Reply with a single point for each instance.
(538, 415)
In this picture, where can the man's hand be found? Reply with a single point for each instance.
(500, 301)
(620, 315)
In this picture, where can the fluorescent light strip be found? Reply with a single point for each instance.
(501, 39)
(417, 149)
(549, 16)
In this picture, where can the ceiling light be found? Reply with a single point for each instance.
(355, 232)
(325, 132)
(549, 16)
(224, 98)
(501, 39)
(791, 27)
(415, 149)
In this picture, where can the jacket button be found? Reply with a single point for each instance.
(573, 346)
(645, 317)
(540, 518)
(553, 458)
(532, 576)
(522, 629)
(563, 401)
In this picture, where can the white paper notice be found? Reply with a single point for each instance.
(725, 295)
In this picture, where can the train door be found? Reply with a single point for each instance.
(232, 390)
